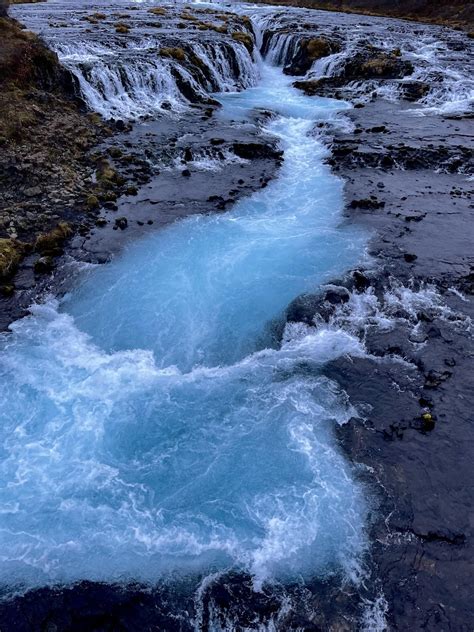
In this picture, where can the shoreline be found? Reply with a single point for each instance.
(414, 409)
(435, 20)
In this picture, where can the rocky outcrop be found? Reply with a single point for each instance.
(308, 51)
(45, 135)
(368, 64)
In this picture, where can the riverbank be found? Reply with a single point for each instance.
(458, 14)
(74, 181)
(408, 178)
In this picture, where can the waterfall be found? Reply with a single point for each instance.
(133, 80)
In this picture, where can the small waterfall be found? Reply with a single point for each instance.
(133, 81)
(279, 48)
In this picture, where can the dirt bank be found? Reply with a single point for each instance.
(458, 14)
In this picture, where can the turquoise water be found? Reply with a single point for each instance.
(148, 422)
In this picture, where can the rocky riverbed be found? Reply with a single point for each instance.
(405, 154)
(408, 174)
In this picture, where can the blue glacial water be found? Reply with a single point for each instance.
(148, 424)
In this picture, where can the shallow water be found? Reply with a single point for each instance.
(150, 423)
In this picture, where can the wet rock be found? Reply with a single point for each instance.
(309, 51)
(414, 90)
(337, 295)
(121, 222)
(7, 290)
(178, 54)
(44, 265)
(245, 39)
(361, 281)
(254, 150)
(367, 204)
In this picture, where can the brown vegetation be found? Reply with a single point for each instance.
(457, 13)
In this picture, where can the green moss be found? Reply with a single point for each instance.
(52, 242)
(92, 202)
(318, 48)
(188, 16)
(120, 27)
(173, 53)
(11, 254)
(245, 39)
(104, 173)
(157, 11)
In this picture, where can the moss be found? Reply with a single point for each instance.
(173, 53)
(115, 152)
(105, 173)
(120, 27)
(318, 48)
(245, 39)
(52, 242)
(92, 202)
(11, 254)
(99, 16)
(7, 290)
(157, 11)
(188, 16)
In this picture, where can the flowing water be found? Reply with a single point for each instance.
(149, 421)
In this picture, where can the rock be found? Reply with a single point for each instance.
(410, 258)
(121, 222)
(367, 204)
(186, 173)
(7, 290)
(337, 295)
(101, 221)
(44, 265)
(309, 51)
(173, 53)
(414, 90)
(32, 191)
(244, 38)
(111, 206)
(122, 28)
(428, 421)
(250, 151)
(361, 281)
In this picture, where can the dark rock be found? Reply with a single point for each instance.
(250, 151)
(414, 90)
(367, 204)
(44, 265)
(337, 295)
(308, 51)
(121, 222)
